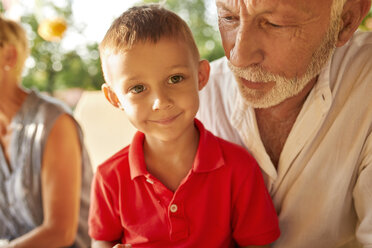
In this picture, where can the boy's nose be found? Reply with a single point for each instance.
(162, 102)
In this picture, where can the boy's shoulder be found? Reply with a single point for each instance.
(117, 162)
(233, 156)
(236, 155)
(239, 168)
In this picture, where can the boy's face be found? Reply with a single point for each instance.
(157, 86)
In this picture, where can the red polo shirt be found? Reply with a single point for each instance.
(222, 200)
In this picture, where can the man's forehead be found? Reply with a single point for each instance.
(267, 5)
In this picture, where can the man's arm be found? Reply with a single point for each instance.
(362, 195)
(61, 181)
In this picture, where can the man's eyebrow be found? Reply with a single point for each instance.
(223, 6)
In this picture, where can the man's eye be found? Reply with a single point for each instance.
(137, 89)
(269, 24)
(175, 79)
(274, 25)
(228, 18)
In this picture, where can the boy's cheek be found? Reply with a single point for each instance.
(130, 108)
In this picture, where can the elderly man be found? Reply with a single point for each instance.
(295, 89)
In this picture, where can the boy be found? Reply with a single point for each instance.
(176, 185)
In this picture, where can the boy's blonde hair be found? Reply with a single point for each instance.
(146, 23)
(12, 33)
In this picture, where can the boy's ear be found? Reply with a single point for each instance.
(352, 16)
(203, 74)
(110, 95)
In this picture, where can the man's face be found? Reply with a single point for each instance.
(275, 47)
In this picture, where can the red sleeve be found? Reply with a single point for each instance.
(104, 218)
(254, 220)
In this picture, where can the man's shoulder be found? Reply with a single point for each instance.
(358, 50)
(221, 81)
(220, 73)
(352, 65)
(217, 100)
(361, 38)
(219, 66)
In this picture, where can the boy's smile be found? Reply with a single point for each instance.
(157, 85)
(166, 120)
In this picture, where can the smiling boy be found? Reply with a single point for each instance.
(176, 185)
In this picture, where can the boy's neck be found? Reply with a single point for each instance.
(171, 161)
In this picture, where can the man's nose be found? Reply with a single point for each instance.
(247, 49)
(162, 101)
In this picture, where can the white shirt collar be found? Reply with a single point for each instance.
(312, 114)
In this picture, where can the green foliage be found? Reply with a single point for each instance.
(194, 13)
(54, 68)
(57, 69)
(368, 18)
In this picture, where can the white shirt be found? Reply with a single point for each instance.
(322, 189)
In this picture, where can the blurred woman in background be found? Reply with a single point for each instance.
(45, 172)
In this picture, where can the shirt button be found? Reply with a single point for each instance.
(173, 208)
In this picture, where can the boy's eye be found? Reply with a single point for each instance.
(175, 79)
(137, 89)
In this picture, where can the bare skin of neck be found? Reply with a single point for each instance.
(275, 123)
(11, 101)
(171, 161)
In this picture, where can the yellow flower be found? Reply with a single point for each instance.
(52, 29)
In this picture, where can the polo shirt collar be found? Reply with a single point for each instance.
(137, 165)
(243, 119)
(208, 156)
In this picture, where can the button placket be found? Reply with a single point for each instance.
(178, 223)
(173, 208)
(161, 193)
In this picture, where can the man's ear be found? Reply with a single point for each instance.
(203, 74)
(110, 95)
(352, 16)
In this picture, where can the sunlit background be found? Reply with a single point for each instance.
(64, 35)
(64, 61)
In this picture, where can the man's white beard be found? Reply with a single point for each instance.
(284, 88)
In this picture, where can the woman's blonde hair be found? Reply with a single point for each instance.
(12, 33)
